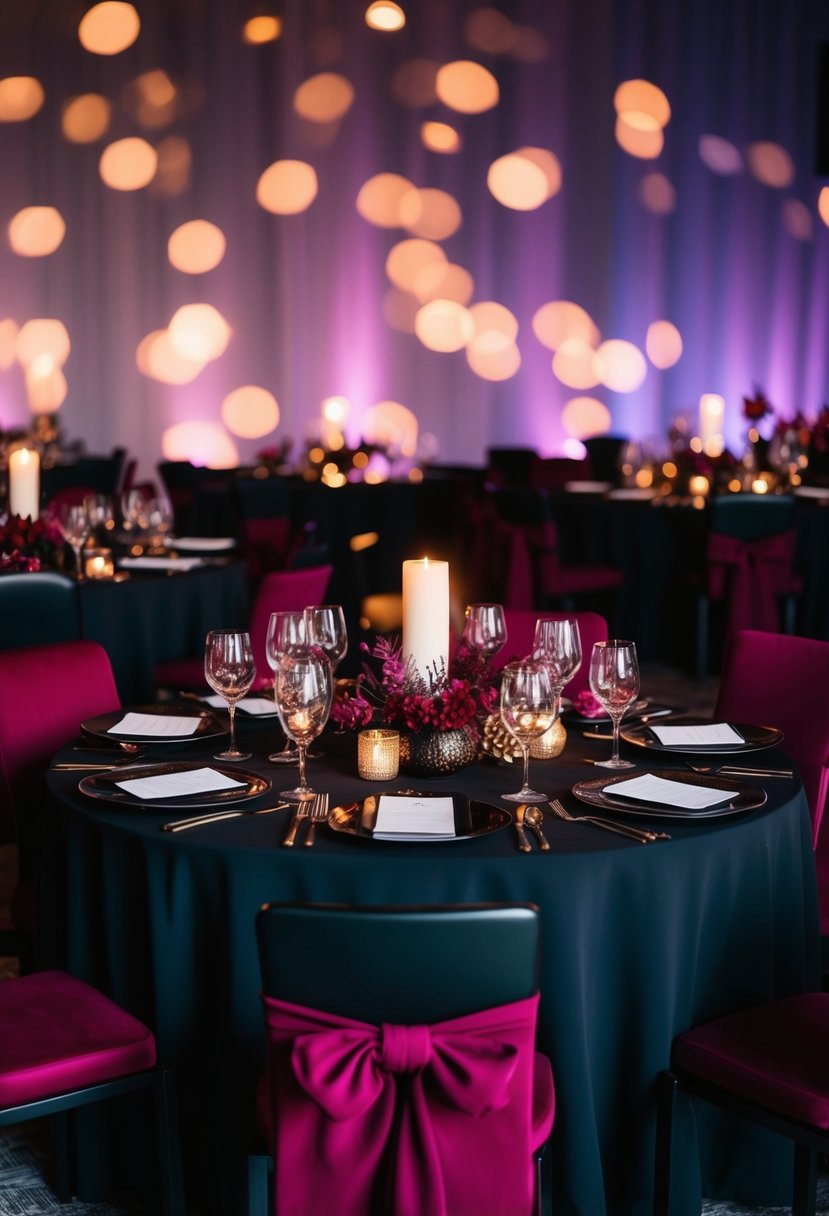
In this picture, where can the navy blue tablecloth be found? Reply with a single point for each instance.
(638, 943)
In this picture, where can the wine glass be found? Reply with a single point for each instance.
(325, 627)
(558, 645)
(135, 514)
(229, 670)
(485, 628)
(528, 709)
(100, 513)
(285, 629)
(304, 690)
(74, 525)
(614, 681)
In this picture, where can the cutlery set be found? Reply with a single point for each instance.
(315, 810)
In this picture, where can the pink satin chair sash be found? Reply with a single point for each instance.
(443, 1112)
(757, 569)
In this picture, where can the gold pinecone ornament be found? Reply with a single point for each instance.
(497, 741)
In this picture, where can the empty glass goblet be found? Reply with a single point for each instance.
(285, 629)
(614, 681)
(528, 709)
(229, 670)
(304, 690)
(325, 627)
(73, 521)
(558, 645)
(485, 628)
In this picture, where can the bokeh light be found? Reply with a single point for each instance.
(440, 137)
(46, 386)
(467, 87)
(517, 182)
(770, 164)
(797, 219)
(495, 323)
(400, 309)
(287, 187)
(385, 15)
(445, 281)
(407, 258)
(379, 199)
(490, 359)
(175, 159)
(585, 416)
(128, 164)
(823, 204)
(444, 325)
(86, 118)
(573, 364)
(196, 247)
(488, 30)
(388, 423)
(35, 232)
(415, 83)
(638, 141)
(643, 105)
(720, 156)
(20, 98)
(262, 29)
(109, 28)
(43, 336)
(151, 99)
(620, 366)
(549, 165)
(663, 344)
(202, 443)
(324, 98)
(199, 332)
(430, 213)
(530, 45)
(657, 193)
(9, 330)
(157, 358)
(335, 410)
(558, 320)
(250, 412)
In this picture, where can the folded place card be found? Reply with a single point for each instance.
(165, 726)
(661, 790)
(248, 705)
(160, 563)
(405, 817)
(202, 544)
(713, 734)
(179, 784)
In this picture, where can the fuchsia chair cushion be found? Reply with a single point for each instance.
(774, 679)
(59, 1034)
(521, 634)
(283, 591)
(776, 1055)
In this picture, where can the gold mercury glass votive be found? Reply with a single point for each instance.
(98, 563)
(378, 754)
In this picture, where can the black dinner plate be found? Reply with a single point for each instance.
(756, 738)
(744, 797)
(472, 819)
(209, 726)
(642, 709)
(103, 786)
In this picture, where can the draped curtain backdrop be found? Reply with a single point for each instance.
(737, 265)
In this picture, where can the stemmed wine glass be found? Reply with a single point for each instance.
(614, 681)
(74, 525)
(558, 645)
(528, 709)
(485, 628)
(229, 670)
(285, 629)
(304, 690)
(100, 513)
(325, 627)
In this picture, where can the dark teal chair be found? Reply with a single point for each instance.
(38, 608)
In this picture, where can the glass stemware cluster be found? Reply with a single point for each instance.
(614, 681)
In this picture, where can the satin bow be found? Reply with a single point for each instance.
(413, 1088)
(756, 570)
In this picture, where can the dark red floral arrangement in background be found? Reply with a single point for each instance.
(28, 545)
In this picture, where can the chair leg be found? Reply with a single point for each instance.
(258, 1175)
(169, 1147)
(538, 1208)
(805, 1181)
(61, 1131)
(702, 636)
(666, 1087)
(789, 614)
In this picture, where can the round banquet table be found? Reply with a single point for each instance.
(638, 943)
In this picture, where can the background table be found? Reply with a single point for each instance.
(638, 943)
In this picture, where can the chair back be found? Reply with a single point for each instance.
(47, 691)
(751, 516)
(774, 679)
(401, 965)
(283, 591)
(38, 608)
(521, 635)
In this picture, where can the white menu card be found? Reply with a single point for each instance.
(687, 795)
(407, 817)
(179, 784)
(713, 734)
(162, 725)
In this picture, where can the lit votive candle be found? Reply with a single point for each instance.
(24, 483)
(98, 563)
(378, 754)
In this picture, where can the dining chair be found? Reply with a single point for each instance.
(521, 638)
(768, 1064)
(401, 1061)
(47, 691)
(748, 568)
(64, 1045)
(37, 608)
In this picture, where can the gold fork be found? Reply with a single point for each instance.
(303, 811)
(319, 814)
(643, 835)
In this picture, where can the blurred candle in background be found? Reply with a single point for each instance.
(711, 411)
(426, 615)
(24, 483)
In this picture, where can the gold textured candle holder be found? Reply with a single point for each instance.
(378, 754)
(98, 563)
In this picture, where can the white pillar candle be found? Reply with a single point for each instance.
(711, 410)
(426, 615)
(24, 483)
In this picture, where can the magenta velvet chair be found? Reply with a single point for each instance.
(402, 1074)
(769, 1064)
(521, 634)
(64, 1045)
(47, 691)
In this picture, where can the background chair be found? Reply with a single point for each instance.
(521, 636)
(768, 1064)
(396, 968)
(47, 691)
(748, 567)
(38, 608)
(64, 1045)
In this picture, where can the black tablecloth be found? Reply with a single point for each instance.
(639, 943)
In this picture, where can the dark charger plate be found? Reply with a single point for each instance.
(472, 819)
(103, 786)
(756, 738)
(209, 725)
(743, 797)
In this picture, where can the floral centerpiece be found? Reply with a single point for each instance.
(439, 714)
(27, 545)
